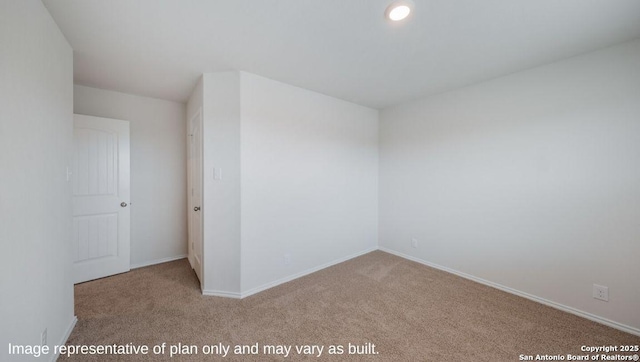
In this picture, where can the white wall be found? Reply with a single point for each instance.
(530, 181)
(36, 130)
(299, 177)
(221, 198)
(309, 180)
(158, 169)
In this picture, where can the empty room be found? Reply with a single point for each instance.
(384, 180)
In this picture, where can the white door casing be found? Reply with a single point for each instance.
(195, 194)
(101, 198)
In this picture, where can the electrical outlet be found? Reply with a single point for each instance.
(601, 292)
(414, 242)
(287, 259)
(43, 338)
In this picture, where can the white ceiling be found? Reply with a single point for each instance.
(342, 48)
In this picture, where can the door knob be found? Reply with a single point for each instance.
(123, 204)
(197, 208)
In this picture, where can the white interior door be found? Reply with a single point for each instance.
(195, 194)
(101, 214)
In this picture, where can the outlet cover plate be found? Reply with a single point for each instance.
(601, 292)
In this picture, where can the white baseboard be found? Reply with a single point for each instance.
(157, 261)
(221, 293)
(562, 307)
(65, 337)
(303, 273)
(235, 295)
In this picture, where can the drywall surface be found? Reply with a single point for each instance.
(36, 134)
(221, 197)
(158, 169)
(530, 181)
(309, 180)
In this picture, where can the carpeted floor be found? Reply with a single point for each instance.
(410, 312)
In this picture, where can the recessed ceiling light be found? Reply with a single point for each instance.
(398, 10)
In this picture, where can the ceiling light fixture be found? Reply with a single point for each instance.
(398, 10)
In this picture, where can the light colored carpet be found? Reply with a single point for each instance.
(409, 311)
